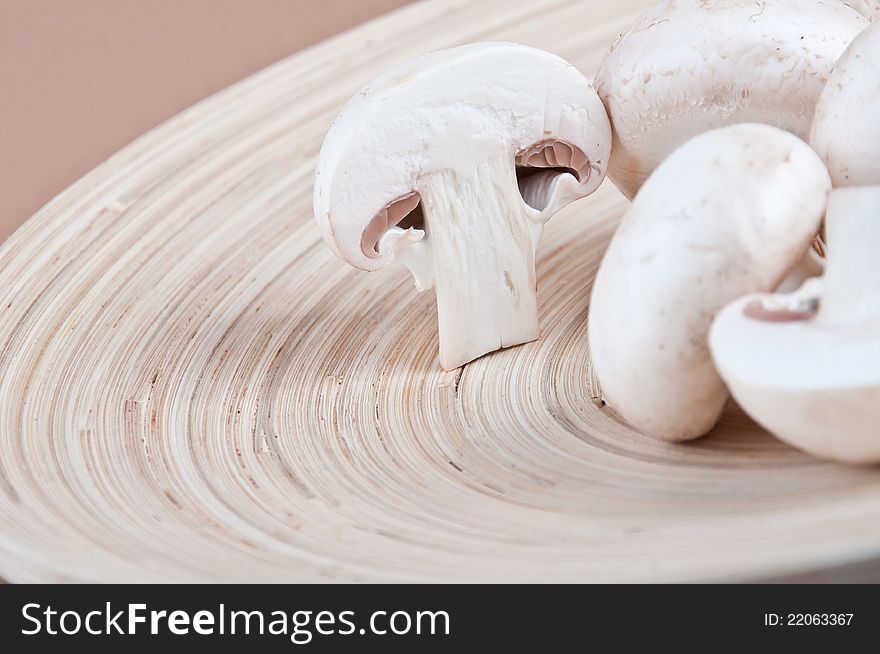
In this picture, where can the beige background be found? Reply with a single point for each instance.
(81, 78)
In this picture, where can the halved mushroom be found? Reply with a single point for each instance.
(729, 212)
(451, 164)
(807, 365)
(846, 129)
(685, 67)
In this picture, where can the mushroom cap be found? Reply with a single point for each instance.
(449, 111)
(870, 9)
(807, 382)
(846, 129)
(728, 212)
(684, 67)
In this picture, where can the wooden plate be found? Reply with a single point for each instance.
(195, 389)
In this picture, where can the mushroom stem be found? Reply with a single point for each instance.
(482, 243)
(852, 273)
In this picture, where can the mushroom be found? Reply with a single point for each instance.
(806, 365)
(870, 9)
(846, 129)
(450, 164)
(685, 67)
(729, 212)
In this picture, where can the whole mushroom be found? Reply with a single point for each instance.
(450, 164)
(807, 365)
(846, 129)
(684, 67)
(729, 212)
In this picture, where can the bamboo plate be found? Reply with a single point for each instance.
(195, 389)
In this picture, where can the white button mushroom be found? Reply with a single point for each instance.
(846, 129)
(685, 67)
(438, 164)
(727, 213)
(812, 377)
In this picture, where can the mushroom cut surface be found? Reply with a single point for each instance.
(450, 164)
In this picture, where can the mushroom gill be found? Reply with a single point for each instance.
(405, 209)
(541, 164)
